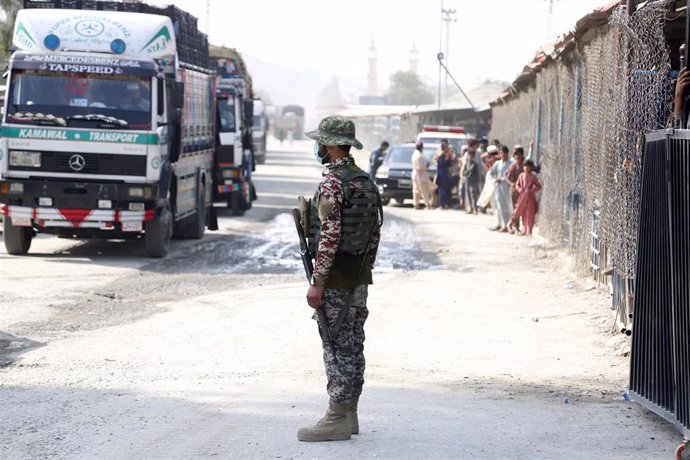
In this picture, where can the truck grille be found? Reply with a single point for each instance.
(93, 163)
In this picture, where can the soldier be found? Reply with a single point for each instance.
(344, 230)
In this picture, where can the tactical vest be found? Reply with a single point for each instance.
(360, 216)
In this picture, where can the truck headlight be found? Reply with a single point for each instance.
(382, 172)
(26, 159)
(146, 193)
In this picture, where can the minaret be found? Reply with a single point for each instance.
(413, 58)
(372, 68)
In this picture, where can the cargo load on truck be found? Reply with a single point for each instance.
(108, 124)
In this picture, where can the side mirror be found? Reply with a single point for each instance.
(161, 96)
(249, 112)
(178, 95)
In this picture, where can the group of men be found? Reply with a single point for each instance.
(484, 175)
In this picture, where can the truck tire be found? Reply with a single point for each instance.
(235, 205)
(157, 234)
(17, 239)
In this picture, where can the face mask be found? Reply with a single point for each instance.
(317, 154)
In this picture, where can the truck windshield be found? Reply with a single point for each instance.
(226, 114)
(70, 94)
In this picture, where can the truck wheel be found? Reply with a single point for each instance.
(235, 205)
(157, 234)
(17, 239)
(385, 200)
(261, 159)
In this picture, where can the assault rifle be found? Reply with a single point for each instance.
(324, 331)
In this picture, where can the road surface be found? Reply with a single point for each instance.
(479, 345)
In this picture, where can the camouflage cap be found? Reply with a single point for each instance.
(335, 130)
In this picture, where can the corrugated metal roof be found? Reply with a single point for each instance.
(480, 96)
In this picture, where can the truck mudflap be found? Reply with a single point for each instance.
(24, 216)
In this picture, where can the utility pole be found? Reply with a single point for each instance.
(440, 56)
(448, 16)
(208, 19)
(549, 20)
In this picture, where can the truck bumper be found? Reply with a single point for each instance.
(78, 205)
(227, 181)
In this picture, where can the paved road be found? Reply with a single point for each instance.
(473, 343)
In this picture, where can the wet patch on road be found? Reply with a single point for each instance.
(275, 250)
(12, 346)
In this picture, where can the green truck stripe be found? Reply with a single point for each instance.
(119, 137)
(21, 28)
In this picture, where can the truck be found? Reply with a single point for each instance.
(108, 125)
(234, 159)
(259, 131)
(290, 124)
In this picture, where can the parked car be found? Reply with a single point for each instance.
(394, 177)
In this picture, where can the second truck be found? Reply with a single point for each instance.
(234, 158)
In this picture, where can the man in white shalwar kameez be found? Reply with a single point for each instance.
(421, 184)
(502, 194)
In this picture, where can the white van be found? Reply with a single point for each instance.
(433, 134)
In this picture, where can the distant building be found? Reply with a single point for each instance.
(457, 110)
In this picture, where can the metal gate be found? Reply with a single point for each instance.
(660, 360)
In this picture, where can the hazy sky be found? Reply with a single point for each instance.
(490, 39)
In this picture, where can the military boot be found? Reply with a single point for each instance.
(332, 427)
(352, 419)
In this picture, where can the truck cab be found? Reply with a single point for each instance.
(234, 158)
(100, 135)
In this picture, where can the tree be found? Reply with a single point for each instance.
(408, 89)
(9, 8)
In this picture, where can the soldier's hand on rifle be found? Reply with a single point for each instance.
(681, 84)
(315, 296)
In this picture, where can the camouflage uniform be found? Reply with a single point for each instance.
(345, 368)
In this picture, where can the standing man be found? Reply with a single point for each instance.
(503, 202)
(344, 231)
(421, 185)
(376, 158)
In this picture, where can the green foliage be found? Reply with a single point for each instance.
(9, 8)
(408, 89)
